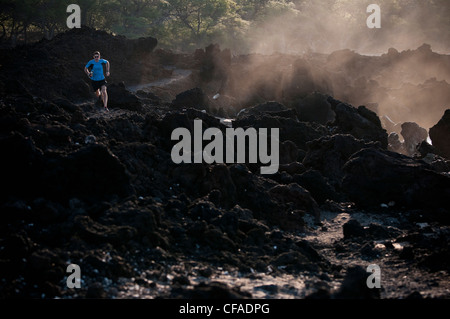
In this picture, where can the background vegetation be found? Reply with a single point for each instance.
(241, 25)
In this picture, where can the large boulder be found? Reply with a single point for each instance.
(120, 97)
(360, 122)
(355, 286)
(413, 135)
(296, 198)
(193, 98)
(374, 176)
(395, 145)
(328, 154)
(315, 108)
(440, 133)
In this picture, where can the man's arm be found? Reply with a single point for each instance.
(86, 71)
(107, 68)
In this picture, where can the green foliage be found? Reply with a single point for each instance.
(196, 20)
(242, 25)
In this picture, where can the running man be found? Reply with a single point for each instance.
(97, 78)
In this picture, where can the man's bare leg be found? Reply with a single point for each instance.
(105, 97)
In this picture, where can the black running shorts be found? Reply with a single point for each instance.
(98, 84)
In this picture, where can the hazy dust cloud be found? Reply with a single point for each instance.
(401, 70)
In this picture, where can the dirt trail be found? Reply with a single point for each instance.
(177, 75)
(398, 277)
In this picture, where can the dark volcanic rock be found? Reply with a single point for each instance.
(413, 135)
(216, 290)
(288, 152)
(375, 176)
(120, 97)
(292, 168)
(145, 220)
(101, 190)
(68, 52)
(359, 122)
(290, 130)
(395, 145)
(14, 87)
(377, 232)
(80, 89)
(93, 171)
(297, 196)
(95, 232)
(96, 291)
(191, 174)
(185, 119)
(170, 122)
(16, 247)
(355, 286)
(270, 108)
(317, 185)
(329, 154)
(23, 163)
(110, 266)
(424, 148)
(438, 163)
(48, 264)
(219, 178)
(440, 133)
(353, 229)
(142, 45)
(203, 210)
(251, 193)
(58, 134)
(193, 98)
(291, 259)
(315, 108)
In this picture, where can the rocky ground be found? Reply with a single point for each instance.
(99, 189)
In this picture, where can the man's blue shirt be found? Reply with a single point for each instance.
(97, 69)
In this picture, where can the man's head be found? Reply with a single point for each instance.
(96, 55)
